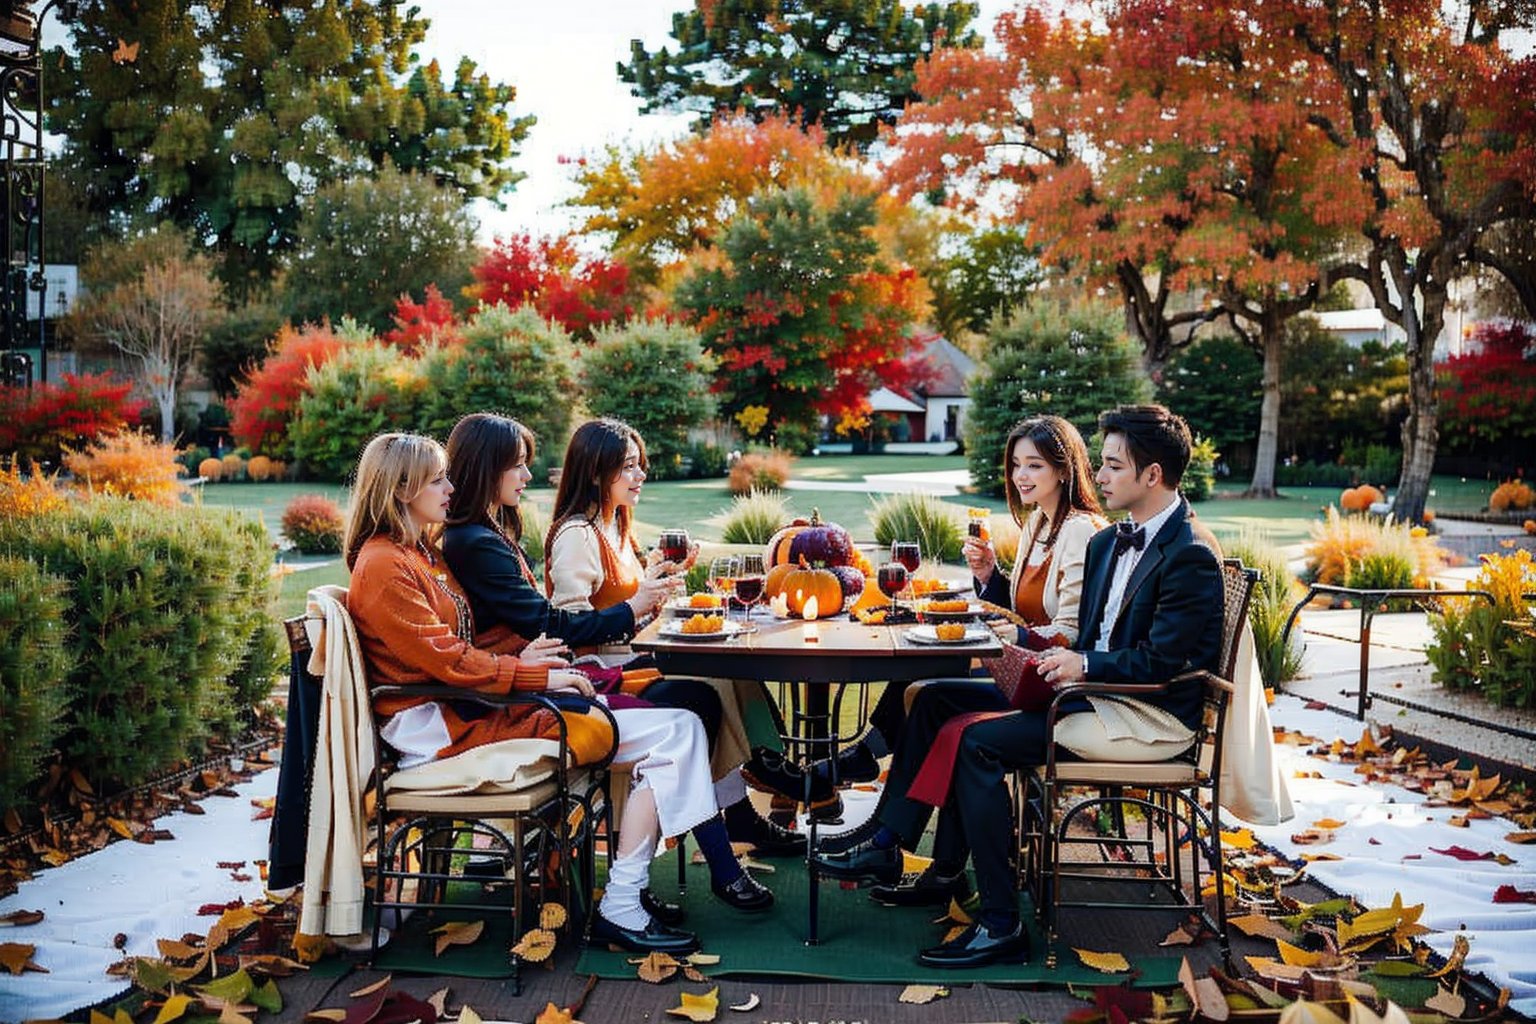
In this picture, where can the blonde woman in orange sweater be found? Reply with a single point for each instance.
(414, 625)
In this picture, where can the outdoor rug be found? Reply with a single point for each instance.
(861, 941)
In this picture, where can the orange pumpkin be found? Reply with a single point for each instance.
(776, 552)
(802, 583)
(773, 583)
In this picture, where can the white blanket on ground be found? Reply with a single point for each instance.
(147, 892)
(1457, 895)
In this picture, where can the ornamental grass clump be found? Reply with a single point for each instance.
(934, 524)
(759, 471)
(754, 517)
(172, 631)
(30, 495)
(129, 464)
(1270, 606)
(34, 673)
(1370, 553)
(1487, 647)
(314, 524)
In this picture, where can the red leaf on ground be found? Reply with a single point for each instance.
(1509, 894)
(214, 909)
(1462, 853)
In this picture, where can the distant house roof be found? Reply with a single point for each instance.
(949, 367)
(886, 400)
(1351, 320)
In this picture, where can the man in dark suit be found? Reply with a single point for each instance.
(1152, 608)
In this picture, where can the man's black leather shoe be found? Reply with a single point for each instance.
(881, 863)
(768, 838)
(845, 841)
(854, 764)
(768, 770)
(924, 890)
(669, 914)
(655, 937)
(977, 947)
(746, 894)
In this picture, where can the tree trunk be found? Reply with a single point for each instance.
(1272, 340)
(1421, 434)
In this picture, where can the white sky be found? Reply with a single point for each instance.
(560, 56)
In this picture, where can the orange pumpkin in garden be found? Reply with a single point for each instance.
(1360, 499)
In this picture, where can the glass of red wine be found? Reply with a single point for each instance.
(907, 553)
(673, 545)
(749, 582)
(891, 578)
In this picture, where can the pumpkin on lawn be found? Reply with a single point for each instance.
(816, 542)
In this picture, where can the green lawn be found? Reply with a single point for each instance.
(699, 505)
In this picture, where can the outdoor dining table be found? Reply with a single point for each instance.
(814, 663)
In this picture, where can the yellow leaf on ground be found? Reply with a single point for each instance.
(368, 990)
(552, 916)
(697, 1007)
(1258, 924)
(920, 994)
(535, 946)
(1110, 963)
(1238, 839)
(335, 1016)
(236, 918)
(703, 959)
(1298, 957)
(456, 933)
(1329, 823)
(551, 1014)
(1308, 858)
(16, 957)
(1272, 969)
(1520, 837)
(120, 826)
(1460, 947)
(173, 1009)
(657, 967)
(1304, 1012)
(1452, 1004)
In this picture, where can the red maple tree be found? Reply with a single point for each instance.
(266, 399)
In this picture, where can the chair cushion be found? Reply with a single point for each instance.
(507, 766)
(1123, 773)
(476, 805)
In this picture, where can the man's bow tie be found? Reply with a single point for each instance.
(1128, 535)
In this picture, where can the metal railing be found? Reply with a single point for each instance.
(1373, 603)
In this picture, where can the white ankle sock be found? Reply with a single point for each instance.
(621, 898)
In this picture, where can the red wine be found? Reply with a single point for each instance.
(673, 545)
(974, 528)
(891, 579)
(674, 553)
(908, 555)
(749, 589)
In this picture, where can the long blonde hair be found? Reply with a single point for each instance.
(391, 473)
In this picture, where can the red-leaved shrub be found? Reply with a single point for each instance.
(41, 421)
(266, 400)
(313, 523)
(418, 324)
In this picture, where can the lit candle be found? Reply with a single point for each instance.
(808, 632)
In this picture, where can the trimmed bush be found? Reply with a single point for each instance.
(171, 636)
(1074, 364)
(512, 363)
(129, 465)
(754, 517)
(759, 471)
(934, 524)
(1270, 606)
(1200, 476)
(211, 469)
(314, 524)
(259, 469)
(654, 376)
(1511, 494)
(234, 467)
(34, 673)
(363, 390)
(706, 461)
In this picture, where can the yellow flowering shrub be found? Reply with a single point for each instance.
(31, 495)
(129, 465)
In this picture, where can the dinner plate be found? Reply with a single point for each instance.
(972, 611)
(680, 606)
(673, 630)
(926, 634)
(949, 589)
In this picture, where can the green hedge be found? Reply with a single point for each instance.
(171, 629)
(34, 672)
(654, 376)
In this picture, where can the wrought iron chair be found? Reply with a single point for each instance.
(1165, 793)
(517, 831)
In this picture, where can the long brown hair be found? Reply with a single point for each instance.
(391, 473)
(1062, 448)
(481, 448)
(593, 459)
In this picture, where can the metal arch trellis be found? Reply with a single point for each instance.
(21, 179)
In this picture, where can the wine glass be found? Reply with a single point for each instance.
(722, 576)
(673, 545)
(891, 578)
(907, 553)
(749, 581)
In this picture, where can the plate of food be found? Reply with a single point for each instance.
(948, 609)
(701, 627)
(939, 589)
(693, 604)
(948, 633)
